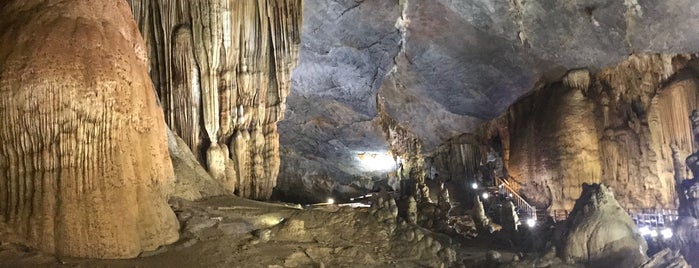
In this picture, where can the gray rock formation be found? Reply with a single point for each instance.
(600, 232)
(442, 67)
(666, 258)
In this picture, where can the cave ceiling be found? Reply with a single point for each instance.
(441, 67)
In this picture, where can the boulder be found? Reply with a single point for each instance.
(192, 182)
(600, 232)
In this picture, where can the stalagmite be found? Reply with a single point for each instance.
(84, 153)
(599, 232)
(225, 66)
(618, 127)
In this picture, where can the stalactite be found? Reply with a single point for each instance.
(186, 93)
(459, 158)
(577, 79)
(619, 127)
(84, 156)
(232, 60)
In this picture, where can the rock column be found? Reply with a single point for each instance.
(84, 152)
(222, 69)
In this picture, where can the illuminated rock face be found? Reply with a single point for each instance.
(222, 70)
(625, 127)
(443, 67)
(84, 156)
(599, 231)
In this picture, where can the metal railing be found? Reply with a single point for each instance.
(518, 200)
(651, 217)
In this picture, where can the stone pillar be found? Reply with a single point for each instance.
(84, 156)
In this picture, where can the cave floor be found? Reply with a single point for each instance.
(225, 232)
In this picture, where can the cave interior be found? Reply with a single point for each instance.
(349, 133)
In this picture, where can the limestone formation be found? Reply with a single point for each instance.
(443, 67)
(624, 126)
(483, 223)
(508, 217)
(191, 181)
(83, 161)
(222, 70)
(600, 232)
(666, 258)
(686, 233)
(685, 238)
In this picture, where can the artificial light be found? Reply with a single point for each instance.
(376, 161)
(666, 233)
(531, 223)
(653, 233)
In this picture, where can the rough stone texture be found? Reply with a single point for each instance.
(666, 258)
(686, 238)
(686, 229)
(624, 126)
(222, 71)
(191, 181)
(83, 161)
(599, 232)
(442, 67)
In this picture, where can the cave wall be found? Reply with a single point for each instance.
(625, 126)
(222, 71)
(84, 158)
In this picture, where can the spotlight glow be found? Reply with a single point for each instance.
(653, 233)
(485, 195)
(531, 223)
(666, 233)
(645, 231)
(331, 201)
(376, 161)
(474, 185)
(511, 195)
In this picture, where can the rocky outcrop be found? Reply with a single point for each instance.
(624, 126)
(83, 160)
(191, 181)
(666, 258)
(222, 70)
(600, 232)
(685, 237)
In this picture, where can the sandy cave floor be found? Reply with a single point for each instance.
(221, 232)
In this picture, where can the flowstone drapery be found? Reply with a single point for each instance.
(222, 71)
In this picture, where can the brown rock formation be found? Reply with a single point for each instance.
(625, 127)
(83, 156)
(222, 70)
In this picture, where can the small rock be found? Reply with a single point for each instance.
(493, 256)
(263, 235)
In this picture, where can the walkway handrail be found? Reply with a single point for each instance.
(519, 200)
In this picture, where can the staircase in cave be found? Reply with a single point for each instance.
(525, 210)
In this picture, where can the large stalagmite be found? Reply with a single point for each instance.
(599, 232)
(84, 155)
(222, 70)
